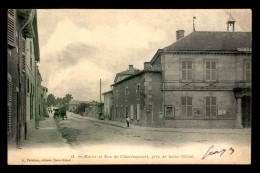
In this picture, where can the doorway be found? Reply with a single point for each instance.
(246, 111)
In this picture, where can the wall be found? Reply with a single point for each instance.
(229, 69)
(30, 96)
(121, 104)
(226, 102)
(108, 102)
(150, 99)
(229, 72)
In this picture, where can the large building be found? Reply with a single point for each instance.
(22, 56)
(203, 80)
(206, 79)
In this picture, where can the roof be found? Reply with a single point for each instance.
(127, 72)
(212, 41)
(111, 91)
(73, 102)
(137, 74)
(231, 19)
(86, 102)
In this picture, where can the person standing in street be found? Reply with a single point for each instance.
(127, 120)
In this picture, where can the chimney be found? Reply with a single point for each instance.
(131, 68)
(179, 34)
(147, 65)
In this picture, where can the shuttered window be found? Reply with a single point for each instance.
(31, 54)
(126, 93)
(23, 55)
(9, 104)
(138, 91)
(247, 71)
(211, 106)
(186, 70)
(211, 70)
(11, 28)
(186, 106)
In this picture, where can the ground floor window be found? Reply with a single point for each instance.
(169, 111)
(186, 106)
(211, 106)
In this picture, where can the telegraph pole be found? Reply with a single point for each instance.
(194, 23)
(100, 101)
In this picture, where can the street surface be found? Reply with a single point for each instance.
(84, 131)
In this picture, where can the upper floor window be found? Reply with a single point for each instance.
(126, 93)
(247, 71)
(210, 70)
(11, 28)
(186, 106)
(211, 106)
(186, 70)
(138, 91)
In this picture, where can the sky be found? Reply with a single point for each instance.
(78, 47)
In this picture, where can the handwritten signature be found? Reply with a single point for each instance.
(221, 152)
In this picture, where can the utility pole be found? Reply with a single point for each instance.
(194, 23)
(100, 114)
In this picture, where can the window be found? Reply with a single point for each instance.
(11, 28)
(138, 111)
(211, 106)
(132, 111)
(210, 70)
(28, 85)
(23, 55)
(138, 91)
(116, 111)
(126, 93)
(121, 112)
(247, 71)
(126, 111)
(186, 106)
(169, 111)
(186, 70)
(9, 103)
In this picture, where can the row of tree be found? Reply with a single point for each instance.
(52, 100)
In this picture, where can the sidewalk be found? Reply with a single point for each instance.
(46, 136)
(246, 131)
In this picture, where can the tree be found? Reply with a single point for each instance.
(50, 100)
(67, 98)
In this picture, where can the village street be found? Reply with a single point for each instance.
(82, 131)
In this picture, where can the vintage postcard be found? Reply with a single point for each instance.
(129, 86)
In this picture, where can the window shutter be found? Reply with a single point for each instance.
(207, 105)
(248, 72)
(11, 28)
(9, 103)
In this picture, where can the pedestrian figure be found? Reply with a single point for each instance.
(127, 120)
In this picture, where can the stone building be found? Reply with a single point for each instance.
(21, 27)
(206, 79)
(108, 104)
(140, 97)
(72, 106)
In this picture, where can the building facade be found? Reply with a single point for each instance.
(21, 75)
(206, 80)
(108, 104)
(140, 97)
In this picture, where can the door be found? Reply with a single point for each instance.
(132, 112)
(246, 111)
(138, 111)
(149, 114)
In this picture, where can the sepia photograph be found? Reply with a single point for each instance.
(129, 86)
